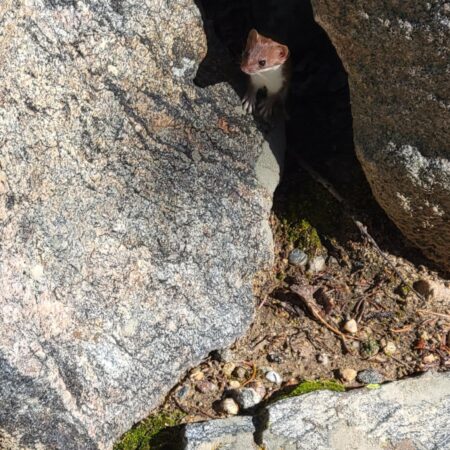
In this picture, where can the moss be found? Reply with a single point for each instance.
(403, 290)
(369, 348)
(316, 385)
(154, 432)
(303, 235)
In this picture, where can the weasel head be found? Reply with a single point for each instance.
(262, 54)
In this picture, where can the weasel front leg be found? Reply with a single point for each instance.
(266, 106)
(249, 100)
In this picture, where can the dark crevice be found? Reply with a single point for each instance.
(319, 129)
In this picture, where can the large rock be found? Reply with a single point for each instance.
(132, 219)
(396, 54)
(403, 415)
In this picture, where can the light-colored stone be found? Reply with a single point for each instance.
(229, 406)
(348, 375)
(274, 377)
(351, 326)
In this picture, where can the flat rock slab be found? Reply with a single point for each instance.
(405, 415)
(132, 219)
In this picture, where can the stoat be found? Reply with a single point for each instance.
(267, 64)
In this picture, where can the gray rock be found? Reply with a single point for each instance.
(412, 414)
(398, 74)
(370, 376)
(298, 257)
(247, 398)
(235, 433)
(414, 411)
(125, 255)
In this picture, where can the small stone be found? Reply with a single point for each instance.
(274, 377)
(351, 326)
(317, 264)
(274, 358)
(228, 369)
(197, 375)
(298, 258)
(183, 392)
(223, 355)
(206, 386)
(348, 375)
(259, 387)
(430, 359)
(370, 376)
(332, 261)
(247, 398)
(234, 384)
(323, 359)
(390, 348)
(229, 406)
(240, 372)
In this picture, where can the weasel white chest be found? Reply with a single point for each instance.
(272, 80)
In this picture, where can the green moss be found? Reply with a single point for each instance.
(369, 348)
(316, 385)
(303, 235)
(152, 433)
(403, 290)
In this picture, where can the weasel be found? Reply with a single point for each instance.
(267, 64)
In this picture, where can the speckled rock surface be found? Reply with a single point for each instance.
(227, 434)
(132, 221)
(396, 54)
(404, 415)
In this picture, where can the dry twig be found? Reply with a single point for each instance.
(361, 227)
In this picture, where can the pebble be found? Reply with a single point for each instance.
(247, 398)
(348, 375)
(182, 392)
(370, 376)
(259, 388)
(332, 261)
(274, 377)
(351, 326)
(228, 369)
(206, 386)
(298, 258)
(317, 264)
(229, 406)
(390, 348)
(240, 372)
(197, 375)
(429, 359)
(323, 359)
(234, 384)
(275, 358)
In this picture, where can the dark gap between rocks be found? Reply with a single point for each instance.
(320, 126)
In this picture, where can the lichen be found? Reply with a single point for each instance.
(153, 433)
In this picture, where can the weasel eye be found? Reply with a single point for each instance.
(262, 62)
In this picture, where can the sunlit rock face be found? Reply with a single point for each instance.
(132, 220)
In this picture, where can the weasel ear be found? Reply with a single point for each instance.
(253, 35)
(283, 52)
